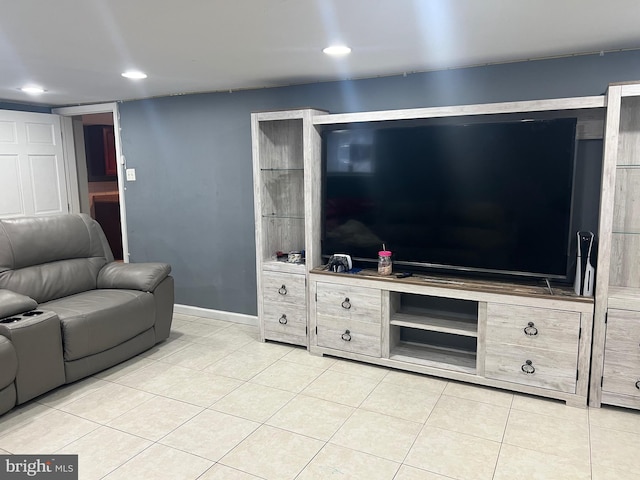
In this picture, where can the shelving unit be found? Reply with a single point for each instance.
(285, 161)
(476, 331)
(615, 369)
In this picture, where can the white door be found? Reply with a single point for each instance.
(32, 169)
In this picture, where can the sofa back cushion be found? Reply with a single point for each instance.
(51, 257)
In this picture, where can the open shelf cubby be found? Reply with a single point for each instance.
(436, 314)
(434, 331)
(434, 349)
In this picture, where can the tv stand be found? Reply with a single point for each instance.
(500, 334)
(520, 337)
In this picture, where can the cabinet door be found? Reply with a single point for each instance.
(284, 307)
(349, 318)
(622, 353)
(532, 346)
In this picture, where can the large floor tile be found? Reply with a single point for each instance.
(302, 357)
(479, 394)
(47, 433)
(124, 368)
(470, 417)
(254, 402)
(241, 365)
(615, 418)
(423, 383)
(189, 330)
(155, 418)
(515, 463)
(159, 462)
(377, 434)
(163, 349)
(454, 454)
(222, 472)
(359, 369)
(68, 393)
(195, 356)
(200, 388)
(615, 449)
(311, 416)
(273, 454)
(406, 403)
(107, 403)
(268, 350)
(157, 377)
(210, 435)
(599, 472)
(287, 376)
(334, 462)
(552, 408)
(344, 388)
(552, 435)
(23, 415)
(411, 473)
(229, 339)
(103, 450)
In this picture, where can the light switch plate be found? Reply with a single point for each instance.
(131, 174)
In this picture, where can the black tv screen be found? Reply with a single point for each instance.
(486, 197)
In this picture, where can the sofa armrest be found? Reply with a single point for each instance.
(12, 303)
(134, 276)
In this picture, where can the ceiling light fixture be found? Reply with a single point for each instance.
(32, 89)
(337, 50)
(134, 74)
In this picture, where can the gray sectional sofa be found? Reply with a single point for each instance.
(67, 310)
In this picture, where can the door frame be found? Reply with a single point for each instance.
(67, 132)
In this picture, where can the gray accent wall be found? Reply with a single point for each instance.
(192, 203)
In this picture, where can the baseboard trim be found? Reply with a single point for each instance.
(216, 314)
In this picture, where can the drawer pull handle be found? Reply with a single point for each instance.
(283, 319)
(531, 330)
(638, 384)
(346, 336)
(528, 368)
(282, 290)
(346, 304)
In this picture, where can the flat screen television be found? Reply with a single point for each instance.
(493, 198)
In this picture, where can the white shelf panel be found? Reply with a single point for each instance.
(433, 356)
(461, 110)
(440, 323)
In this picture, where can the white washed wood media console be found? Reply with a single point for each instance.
(494, 333)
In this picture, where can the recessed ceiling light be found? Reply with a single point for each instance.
(32, 89)
(134, 74)
(337, 50)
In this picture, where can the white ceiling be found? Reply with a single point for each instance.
(76, 49)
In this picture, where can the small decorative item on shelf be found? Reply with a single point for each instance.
(295, 257)
(384, 261)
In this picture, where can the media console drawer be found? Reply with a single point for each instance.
(282, 288)
(349, 318)
(544, 328)
(531, 366)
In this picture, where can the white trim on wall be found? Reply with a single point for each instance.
(216, 314)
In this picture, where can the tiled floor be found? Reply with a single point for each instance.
(214, 403)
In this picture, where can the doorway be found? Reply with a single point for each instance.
(102, 177)
(99, 166)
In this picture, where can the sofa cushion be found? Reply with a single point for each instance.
(51, 257)
(8, 361)
(54, 280)
(97, 320)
